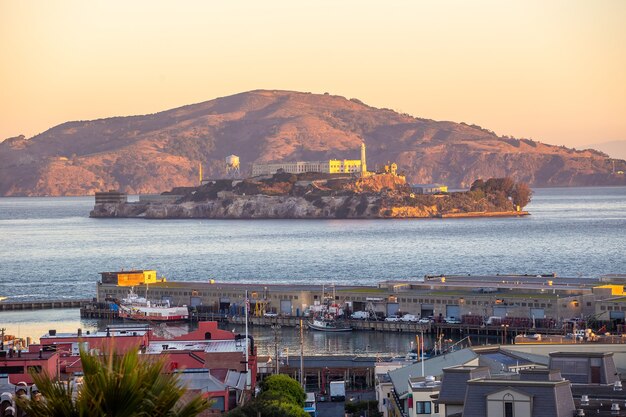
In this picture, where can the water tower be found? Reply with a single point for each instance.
(232, 166)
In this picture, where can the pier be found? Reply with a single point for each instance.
(42, 305)
(506, 332)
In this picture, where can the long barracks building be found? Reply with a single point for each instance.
(521, 296)
(332, 166)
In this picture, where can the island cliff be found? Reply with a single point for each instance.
(319, 196)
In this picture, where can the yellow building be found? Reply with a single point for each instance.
(332, 166)
(130, 278)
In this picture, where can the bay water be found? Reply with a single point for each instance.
(51, 249)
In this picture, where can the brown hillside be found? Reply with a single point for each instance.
(154, 153)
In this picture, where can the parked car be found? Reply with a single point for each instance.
(360, 315)
(452, 320)
(424, 320)
(393, 317)
(270, 314)
(409, 317)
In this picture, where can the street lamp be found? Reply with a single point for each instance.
(504, 327)
(275, 329)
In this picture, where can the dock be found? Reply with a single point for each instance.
(508, 332)
(42, 305)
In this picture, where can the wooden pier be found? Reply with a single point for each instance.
(42, 305)
(292, 321)
(100, 311)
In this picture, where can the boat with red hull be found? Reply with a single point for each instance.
(134, 307)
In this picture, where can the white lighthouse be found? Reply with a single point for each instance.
(363, 159)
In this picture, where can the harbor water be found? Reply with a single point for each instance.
(51, 249)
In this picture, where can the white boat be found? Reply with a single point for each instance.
(134, 307)
(326, 325)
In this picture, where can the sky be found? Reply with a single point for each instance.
(553, 71)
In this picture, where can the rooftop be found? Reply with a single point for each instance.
(204, 346)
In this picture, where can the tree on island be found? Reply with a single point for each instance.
(521, 194)
(114, 386)
(501, 190)
(281, 396)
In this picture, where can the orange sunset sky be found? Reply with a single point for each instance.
(553, 71)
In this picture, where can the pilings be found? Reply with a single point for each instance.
(41, 305)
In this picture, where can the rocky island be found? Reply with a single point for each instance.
(322, 196)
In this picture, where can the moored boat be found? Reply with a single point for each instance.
(134, 307)
(326, 325)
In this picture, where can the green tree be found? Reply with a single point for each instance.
(521, 194)
(281, 396)
(286, 386)
(478, 185)
(115, 386)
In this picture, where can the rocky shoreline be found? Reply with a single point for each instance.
(281, 207)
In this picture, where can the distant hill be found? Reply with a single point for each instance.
(614, 148)
(156, 152)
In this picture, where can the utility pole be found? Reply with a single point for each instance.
(248, 374)
(276, 328)
(301, 355)
(422, 353)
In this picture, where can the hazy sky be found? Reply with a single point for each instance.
(554, 71)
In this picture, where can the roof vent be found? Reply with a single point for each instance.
(617, 386)
(614, 408)
(584, 400)
(52, 332)
(580, 413)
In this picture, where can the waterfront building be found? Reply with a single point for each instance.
(503, 381)
(454, 383)
(111, 197)
(429, 188)
(331, 166)
(399, 400)
(529, 393)
(585, 367)
(520, 301)
(209, 360)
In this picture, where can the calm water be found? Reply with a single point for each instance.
(50, 248)
(367, 343)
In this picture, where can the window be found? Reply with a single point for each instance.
(422, 407)
(508, 409)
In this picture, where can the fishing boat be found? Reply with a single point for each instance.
(328, 325)
(134, 307)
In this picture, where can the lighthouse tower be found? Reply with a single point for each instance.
(363, 160)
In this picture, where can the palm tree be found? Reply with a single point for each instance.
(116, 386)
